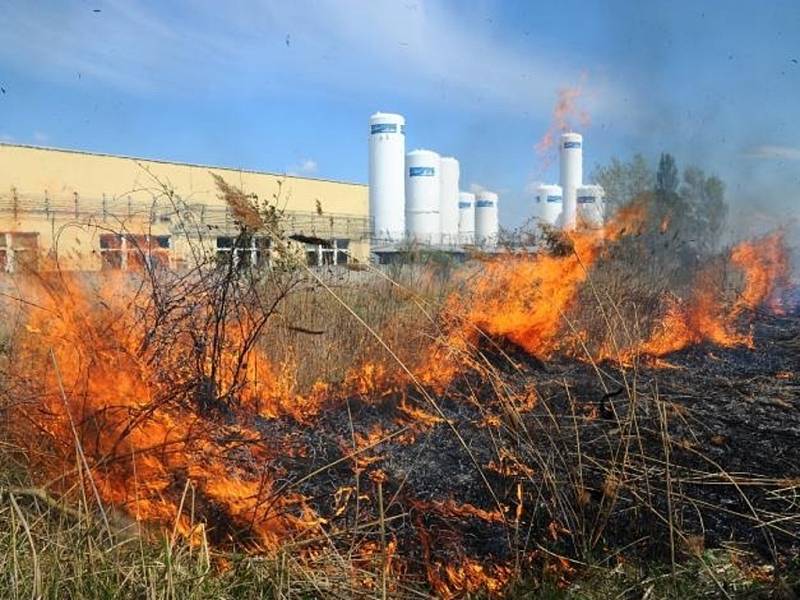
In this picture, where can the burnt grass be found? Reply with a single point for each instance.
(606, 463)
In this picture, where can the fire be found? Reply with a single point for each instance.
(704, 316)
(765, 264)
(524, 298)
(566, 114)
(97, 392)
(451, 508)
(700, 319)
(462, 576)
(665, 221)
(150, 424)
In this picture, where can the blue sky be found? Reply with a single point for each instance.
(289, 86)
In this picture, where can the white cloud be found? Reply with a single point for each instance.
(422, 49)
(40, 138)
(774, 152)
(307, 166)
(4, 137)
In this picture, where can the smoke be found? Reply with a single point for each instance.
(769, 152)
(567, 115)
(477, 188)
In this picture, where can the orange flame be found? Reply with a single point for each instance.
(524, 298)
(142, 446)
(765, 263)
(566, 114)
(107, 394)
(764, 266)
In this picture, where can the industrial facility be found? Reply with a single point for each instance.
(94, 211)
(571, 204)
(415, 196)
(90, 211)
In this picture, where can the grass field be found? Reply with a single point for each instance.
(570, 423)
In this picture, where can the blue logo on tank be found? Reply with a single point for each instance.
(554, 198)
(385, 128)
(421, 171)
(465, 205)
(484, 204)
(585, 199)
(572, 144)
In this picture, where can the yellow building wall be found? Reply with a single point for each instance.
(61, 177)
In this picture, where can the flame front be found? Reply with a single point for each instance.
(147, 429)
(764, 267)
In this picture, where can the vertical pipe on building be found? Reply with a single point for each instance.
(449, 175)
(387, 153)
(486, 218)
(550, 204)
(422, 196)
(571, 175)
(466, 218)
(591, 206)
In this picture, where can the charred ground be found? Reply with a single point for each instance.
(663, 457)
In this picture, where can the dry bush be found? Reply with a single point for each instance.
(591, 461)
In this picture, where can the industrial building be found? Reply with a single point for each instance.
(95, 211)
(90, 211)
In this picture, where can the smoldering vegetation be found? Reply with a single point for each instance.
(595, 413)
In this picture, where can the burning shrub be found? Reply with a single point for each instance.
(436, 447)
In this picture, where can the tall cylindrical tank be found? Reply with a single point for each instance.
(486, 219)
(591, 206)
(466, 218)
(449, 174)
(422, 196)
(571, 154)
(387, 152)
(549, 204)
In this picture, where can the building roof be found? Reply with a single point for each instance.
(176, 163)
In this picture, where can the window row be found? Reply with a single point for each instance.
(20, 250)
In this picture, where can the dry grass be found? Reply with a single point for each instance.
(52, 550)
(585, 482)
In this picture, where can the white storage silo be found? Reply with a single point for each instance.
(591, 206)
(466, 218)
(387, 154)
(449, 174)
(422, 196)
(571, 154)
(549, 204)
(486, 218)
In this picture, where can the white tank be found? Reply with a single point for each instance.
(466, 218)
(571, 154)
(449, 174)
(486, 220)
(387, 153)
(549, 204)
(591, 206)
(422, 196)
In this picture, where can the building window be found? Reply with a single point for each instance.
(342, 251)
(337, 252)
(19, 251)
(111, 251)
(134, 252)
(245, 251)
(313, 255)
